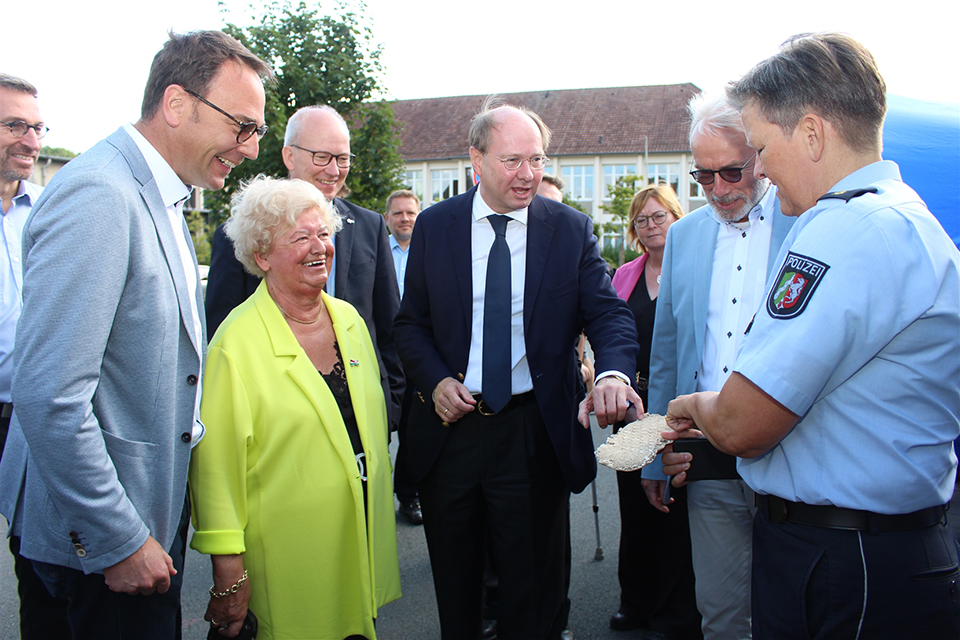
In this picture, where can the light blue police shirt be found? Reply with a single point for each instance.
(859, 335)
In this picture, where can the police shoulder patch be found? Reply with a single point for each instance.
(794, 286)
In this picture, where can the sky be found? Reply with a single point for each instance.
(90, 58)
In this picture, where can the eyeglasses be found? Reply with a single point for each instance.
(513, 163)
(247, 129)
(658, 218)
(731, 175)
(19, 128)
(322, 158)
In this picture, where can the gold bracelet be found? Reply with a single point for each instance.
(229, 591)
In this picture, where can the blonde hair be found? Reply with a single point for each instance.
(264, 208)
(662, 194)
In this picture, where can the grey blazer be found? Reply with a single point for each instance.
(106, 370)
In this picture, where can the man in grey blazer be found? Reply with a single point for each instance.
(317, 149)
(714, 269)
(110, 345)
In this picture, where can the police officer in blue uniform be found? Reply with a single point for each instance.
(845, 399)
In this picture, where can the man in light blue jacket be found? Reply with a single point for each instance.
(110, 344)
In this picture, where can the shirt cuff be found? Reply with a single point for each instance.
(612, 373)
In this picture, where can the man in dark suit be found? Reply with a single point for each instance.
(317, 150)
(495, 446)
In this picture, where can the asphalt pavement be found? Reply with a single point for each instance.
(594, 591)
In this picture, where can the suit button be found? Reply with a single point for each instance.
(460, 377)
(186, 437)
(191, 380)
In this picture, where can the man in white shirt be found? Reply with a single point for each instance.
(714, 268)
(41, 615)
(110, 345)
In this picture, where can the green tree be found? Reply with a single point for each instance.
(621, 194)
(320, 59)
(200, 234)
(59, 152)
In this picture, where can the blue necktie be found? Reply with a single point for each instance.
(496, 320)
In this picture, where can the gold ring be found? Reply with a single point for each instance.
(445, 412)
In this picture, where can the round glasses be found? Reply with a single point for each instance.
(731, 175)
(513, 163)
(19, 128)
(657, 217)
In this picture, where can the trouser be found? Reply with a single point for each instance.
(813, 582)
(721, 526)
(655, 568)
(498, 476)
(97, 613)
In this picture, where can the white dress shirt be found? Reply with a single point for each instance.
(736, 288)
(400, 256)
(481, 238)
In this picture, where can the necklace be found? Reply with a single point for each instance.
(290, 317)
(649, 265)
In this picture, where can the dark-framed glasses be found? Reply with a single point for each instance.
(513, 163)
(322, 158)
(19, 128)
(657, 217)
(730, 174)
(247, 129)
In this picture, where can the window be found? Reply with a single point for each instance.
(413, 180)
(612, 173)
(666, 174)
(578, 180)
(697, 197)
(444, 183)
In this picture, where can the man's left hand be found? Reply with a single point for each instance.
(610, 399)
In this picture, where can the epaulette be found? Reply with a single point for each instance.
(847, 195)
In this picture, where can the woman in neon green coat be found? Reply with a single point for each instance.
(290, 485)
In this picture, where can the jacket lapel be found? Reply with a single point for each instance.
(460, 239)
(344, 243)
(705, 249)
(150, 194)
(540, 229)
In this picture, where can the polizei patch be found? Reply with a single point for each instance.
(798, 279)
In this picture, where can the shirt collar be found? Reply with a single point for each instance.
(481, 210)
(396, 245)
(172, 189)
(869, 174)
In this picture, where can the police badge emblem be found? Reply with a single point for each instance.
(795, 284)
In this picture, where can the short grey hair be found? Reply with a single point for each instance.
(295, 123)
(829, 74)
(266, 207)
(485, 121)
(712, 113)
(13, 83)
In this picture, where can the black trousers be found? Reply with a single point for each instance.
(497, 476)
(403, 486)
(812, 582)
(655, 565)
(97, 613)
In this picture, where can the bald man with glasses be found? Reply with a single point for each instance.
(714, 267)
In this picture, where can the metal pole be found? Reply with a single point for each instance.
(598, 554)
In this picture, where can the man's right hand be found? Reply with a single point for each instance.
(452, 400)
(149, 569)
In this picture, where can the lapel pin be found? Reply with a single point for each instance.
(350, 220)
(354, 363)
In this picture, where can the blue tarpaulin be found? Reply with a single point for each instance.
(924, 139)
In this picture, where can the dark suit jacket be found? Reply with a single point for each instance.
(566, 290)
(365, 278)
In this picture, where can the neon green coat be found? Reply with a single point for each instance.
(275, 476)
